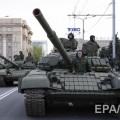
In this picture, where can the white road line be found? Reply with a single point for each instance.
(7, 93)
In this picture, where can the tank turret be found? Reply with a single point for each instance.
(10, 71)
(7, 60)
(51, 35)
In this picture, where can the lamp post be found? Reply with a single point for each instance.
(113, 31)
(83, 22)
(92, 15)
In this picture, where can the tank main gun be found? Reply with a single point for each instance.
(15, 65)
(51, 35)
(2, 65)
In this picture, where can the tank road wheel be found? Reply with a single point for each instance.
(2, 82)
(34, 103)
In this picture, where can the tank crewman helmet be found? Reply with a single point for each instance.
(92, 38)
(70, 36)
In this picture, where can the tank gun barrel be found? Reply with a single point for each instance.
(15, 65)
(2, 65)
(51, 34)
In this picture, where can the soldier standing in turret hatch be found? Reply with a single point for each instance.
(80, 63)
(92, 38)
(72, 42)
(91, 47)
(29, 58)
(21, 56)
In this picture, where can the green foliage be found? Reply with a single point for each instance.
(36, 52)
(107, 51)
(117, 47)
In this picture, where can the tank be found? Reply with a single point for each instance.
(106, 52)
(54, 81)
(13, 70)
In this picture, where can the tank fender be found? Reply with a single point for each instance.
(34, 82)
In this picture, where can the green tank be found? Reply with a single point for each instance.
(54, 81)
(13, 70)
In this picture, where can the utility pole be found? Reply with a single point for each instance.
(113, 31)
(83, 22)
(83, 19)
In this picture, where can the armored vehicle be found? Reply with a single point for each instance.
(54, 81)
(12, 71)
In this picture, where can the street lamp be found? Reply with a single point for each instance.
(83, 22)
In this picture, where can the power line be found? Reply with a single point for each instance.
(75, 10)
(76, 6)
(99, 18)
(84, 6)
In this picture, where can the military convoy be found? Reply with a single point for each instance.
(12, 71)
(54, 81)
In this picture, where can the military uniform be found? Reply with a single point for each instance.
(73, 44)
(81, 65)
(90, 48)
(29, 59)
(21, 56)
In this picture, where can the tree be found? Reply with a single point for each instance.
(107, 52)
(36, 52)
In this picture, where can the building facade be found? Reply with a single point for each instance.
(15, 36)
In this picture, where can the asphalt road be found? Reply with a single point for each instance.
(12, 108)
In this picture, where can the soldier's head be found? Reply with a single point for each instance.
(79, 54)
(92, 38)
(20, 52)
(70, 36)
(29, 54)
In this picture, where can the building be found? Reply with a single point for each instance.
(42, 44)
(15, 36)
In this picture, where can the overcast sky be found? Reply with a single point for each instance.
(56, 11)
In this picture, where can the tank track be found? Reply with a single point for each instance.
(34, 103)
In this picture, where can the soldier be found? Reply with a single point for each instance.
(80, 63)
(91, 47)
(72, 42)
(21, 56)
(29, 58)
(17, 57)
(92, 38)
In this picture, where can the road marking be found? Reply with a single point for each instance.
(7, 93)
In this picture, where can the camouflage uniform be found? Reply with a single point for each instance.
(90, 48)
(72, 43)
(81, 65)
(21, 56)
(29, 58)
